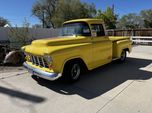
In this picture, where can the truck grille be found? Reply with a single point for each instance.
(38, 61)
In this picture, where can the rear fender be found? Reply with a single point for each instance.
(119, 46)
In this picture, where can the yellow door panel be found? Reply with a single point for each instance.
(102, 50)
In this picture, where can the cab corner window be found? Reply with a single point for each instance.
(98, 28)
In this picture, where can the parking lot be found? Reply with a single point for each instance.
(113, 88)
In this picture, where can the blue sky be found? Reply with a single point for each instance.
(123, 6)
(16, 10)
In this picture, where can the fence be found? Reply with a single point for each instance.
(35, 33)
(142, 40)
(139, 36)
(39, 33)
(131, 32)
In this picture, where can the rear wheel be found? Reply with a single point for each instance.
(123, 56)
(72, 72)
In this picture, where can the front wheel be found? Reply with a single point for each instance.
(123, 56)
(72, 72)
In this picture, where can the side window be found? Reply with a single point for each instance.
(99, 29)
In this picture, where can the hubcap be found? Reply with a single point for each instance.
(75, 71)
(123, 55)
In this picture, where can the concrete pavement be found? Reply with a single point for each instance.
(114, 88)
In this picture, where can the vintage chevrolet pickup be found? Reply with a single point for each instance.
(82, 45)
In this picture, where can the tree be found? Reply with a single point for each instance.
(55, 12)
(146, 16)
(87, 10)
(130, 21)
(44, 10)
(109, 17)
(73, 9)
(3, 22)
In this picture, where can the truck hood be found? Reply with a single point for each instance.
(50, 45)
(58, 41)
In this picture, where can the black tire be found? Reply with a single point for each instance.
(123, 56)
(71, 72)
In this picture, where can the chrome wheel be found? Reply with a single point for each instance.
(75, 71)
(71, 72)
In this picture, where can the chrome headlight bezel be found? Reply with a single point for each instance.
(48, 58)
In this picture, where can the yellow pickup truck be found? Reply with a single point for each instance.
(82, 45)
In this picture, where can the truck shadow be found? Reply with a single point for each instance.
(103, 79)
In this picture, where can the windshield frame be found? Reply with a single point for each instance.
(79, 22)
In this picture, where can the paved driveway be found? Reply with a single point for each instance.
(114, 88)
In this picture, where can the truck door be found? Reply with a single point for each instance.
(102, 46)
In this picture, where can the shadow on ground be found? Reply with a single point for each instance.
(21, 95)
(102, 80)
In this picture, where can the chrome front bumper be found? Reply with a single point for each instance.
(42, 74)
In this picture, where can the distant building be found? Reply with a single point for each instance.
(7, 25)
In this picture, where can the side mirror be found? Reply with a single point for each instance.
(94, 33)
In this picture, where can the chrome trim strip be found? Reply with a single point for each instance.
(34, 59)
(42, 74)
(43, 62)
(38, 60)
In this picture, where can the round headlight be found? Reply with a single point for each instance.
(48, 58)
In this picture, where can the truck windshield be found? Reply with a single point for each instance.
(76, 28)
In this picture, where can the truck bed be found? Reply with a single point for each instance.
(120, 43)
(117, 38)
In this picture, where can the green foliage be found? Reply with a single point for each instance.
(72, 9)
(44, 10)
(52, 13)
(108, 17)
(130, 21)
(146, 15)
(3, 22)
(55, 12)
(133, 21)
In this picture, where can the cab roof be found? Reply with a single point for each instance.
(89, 21)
